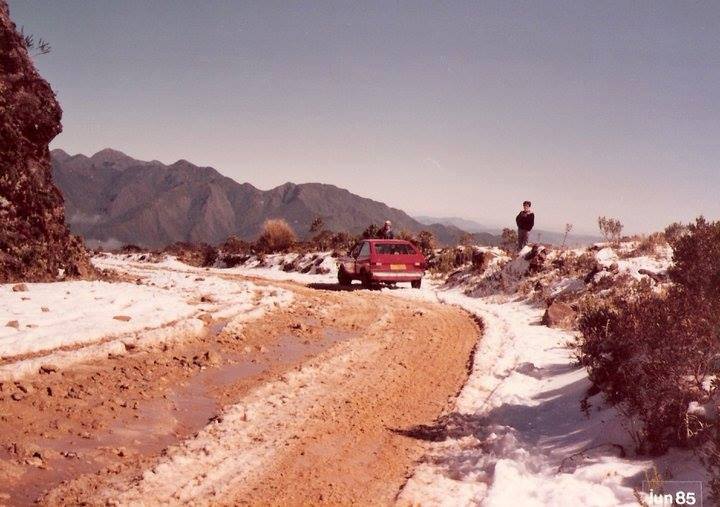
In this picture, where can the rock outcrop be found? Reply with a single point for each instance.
(35, 244)
(559, 315)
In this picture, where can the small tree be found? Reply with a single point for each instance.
(405, 234)
(508, 240)
(568, 228)
(425, 240)
(41, 47)
(467, 239)
(277, 236)
(371, 231)
(611, 228)
(317, 225)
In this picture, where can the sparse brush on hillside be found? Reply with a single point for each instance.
(277, 236)
(649, 245)
(653, 353)
(194, 254)
(508, 240)
(426, 242)
(611, 229)
(370, 232)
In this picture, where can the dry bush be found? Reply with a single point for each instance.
(572, 264)
(508, 240)
(442, 263)
(674, 231)
(611, 228)
(405, 235)
(467, 239)
(372, 231)
(649, 245)
(425, 241)
(194, 254)
(321, 241)
(235, 245)
(277, 236)
(652, 354)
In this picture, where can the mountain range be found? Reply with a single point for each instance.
(113, 199)
(537, 235)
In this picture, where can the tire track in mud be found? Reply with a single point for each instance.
(89, 432)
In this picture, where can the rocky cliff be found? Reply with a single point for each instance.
(35, 244)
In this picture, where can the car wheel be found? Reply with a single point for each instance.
(415, 284)
(343, 277)
(366, 280)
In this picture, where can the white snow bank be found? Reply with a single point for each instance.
(81, 312)
(271, 268)
(71, 314)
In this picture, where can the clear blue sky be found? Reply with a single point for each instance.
(440, 108)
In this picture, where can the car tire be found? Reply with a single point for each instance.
(366, 280)
(415, 284)
(343, 277)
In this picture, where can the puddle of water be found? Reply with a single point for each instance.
(290, 348)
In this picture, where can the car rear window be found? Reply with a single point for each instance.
(393, 249)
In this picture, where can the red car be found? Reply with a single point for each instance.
(382, 260)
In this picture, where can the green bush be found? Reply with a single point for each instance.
(653, 353)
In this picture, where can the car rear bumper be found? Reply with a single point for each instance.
(396, 276)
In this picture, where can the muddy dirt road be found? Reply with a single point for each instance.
(303, 405)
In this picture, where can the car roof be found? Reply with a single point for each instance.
(393, 241)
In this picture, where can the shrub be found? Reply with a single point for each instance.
(568, 228)
(370, 232)
(508, 240)
(321, 241)
(674, 231)
(406, 235)
(647, 245)
(277, 236)
(317, 225)
(425, 241)
(194, 254)
(341, 241)
(442, 263)
(467, 239)
(653, 353)
(611, 228)
(235, 245)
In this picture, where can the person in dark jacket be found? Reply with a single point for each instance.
(386, 232)
(525, 222)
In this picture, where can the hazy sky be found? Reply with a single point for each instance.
(441, 108)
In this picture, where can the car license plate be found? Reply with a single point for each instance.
(397, 267)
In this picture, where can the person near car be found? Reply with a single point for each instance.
(386, 232)
(525, 222)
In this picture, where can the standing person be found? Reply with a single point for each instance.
(525, 222)
(386, 232)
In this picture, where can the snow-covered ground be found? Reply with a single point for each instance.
(93, 319)
(271, 268)
(518, 435)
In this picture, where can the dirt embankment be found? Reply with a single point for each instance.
(328, 380)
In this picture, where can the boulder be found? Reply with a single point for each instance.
(559, 315)
(35, 243)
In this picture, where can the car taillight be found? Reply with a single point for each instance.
(418, 264)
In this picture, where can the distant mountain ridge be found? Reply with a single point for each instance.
(537, 235)
(111, 197)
